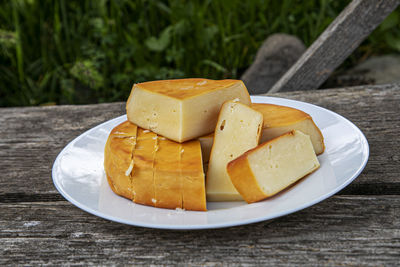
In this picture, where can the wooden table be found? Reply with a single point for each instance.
(358, 226)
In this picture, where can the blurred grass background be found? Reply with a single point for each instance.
(75, 52)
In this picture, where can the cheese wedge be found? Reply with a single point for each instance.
(272, 166)
(152, 170)
(206, 142)
(182, 109)
(238, 130)
(280, 119)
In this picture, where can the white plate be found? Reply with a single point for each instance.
(78, 175)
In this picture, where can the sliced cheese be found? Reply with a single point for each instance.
(238, 130)
(280, 119)
(118, 158)
(152, 170)
(142, 173)
(167, 177)
(277, 121)
(192, 175)
(272, 166)
(206, 142)
(182, 109)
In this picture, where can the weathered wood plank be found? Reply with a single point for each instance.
(351, 230)
(38, 227)
(335, 44)
(31, 138)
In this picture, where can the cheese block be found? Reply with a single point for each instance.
(238, 130)
(272, 166)
(152, 170)
(182, 109)
(280, 119)
(206, 142)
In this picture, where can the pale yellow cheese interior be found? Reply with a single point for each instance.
(238, 130)
(183, 109)
(306, 126)
(206, 142)
(281, 119)
(277, 121)
(282, 162)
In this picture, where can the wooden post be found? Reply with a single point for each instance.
(335, 44)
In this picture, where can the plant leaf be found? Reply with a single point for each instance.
(161, 43)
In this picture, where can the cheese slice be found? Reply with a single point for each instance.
(167, 176)
(182, 109)
(280, 119)
(142, 175)
(238, 130)
(272, 166)
(192, 175)
(152, 170)
(277, 121)
(206, 142)
(118, 158)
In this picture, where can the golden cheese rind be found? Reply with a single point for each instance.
(185, 88)
(167, 179)
(244, 180)
(273, 166)
(281, 119)
(182, 109)
(118, 158)
(152, 170)
(193, 183)
(142, 173)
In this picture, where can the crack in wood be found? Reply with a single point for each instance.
(22, 197)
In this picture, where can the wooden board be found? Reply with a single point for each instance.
(335, 44)
(343, 230)
(359, 226)
(34, 136)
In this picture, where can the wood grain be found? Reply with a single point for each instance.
(343, 230)
(33, 137)
(335, 44)
(360, 227)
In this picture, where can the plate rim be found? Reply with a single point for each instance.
(254, 99)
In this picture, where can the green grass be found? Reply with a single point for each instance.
(74, 52)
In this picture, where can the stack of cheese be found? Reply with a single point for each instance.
(156, 157)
